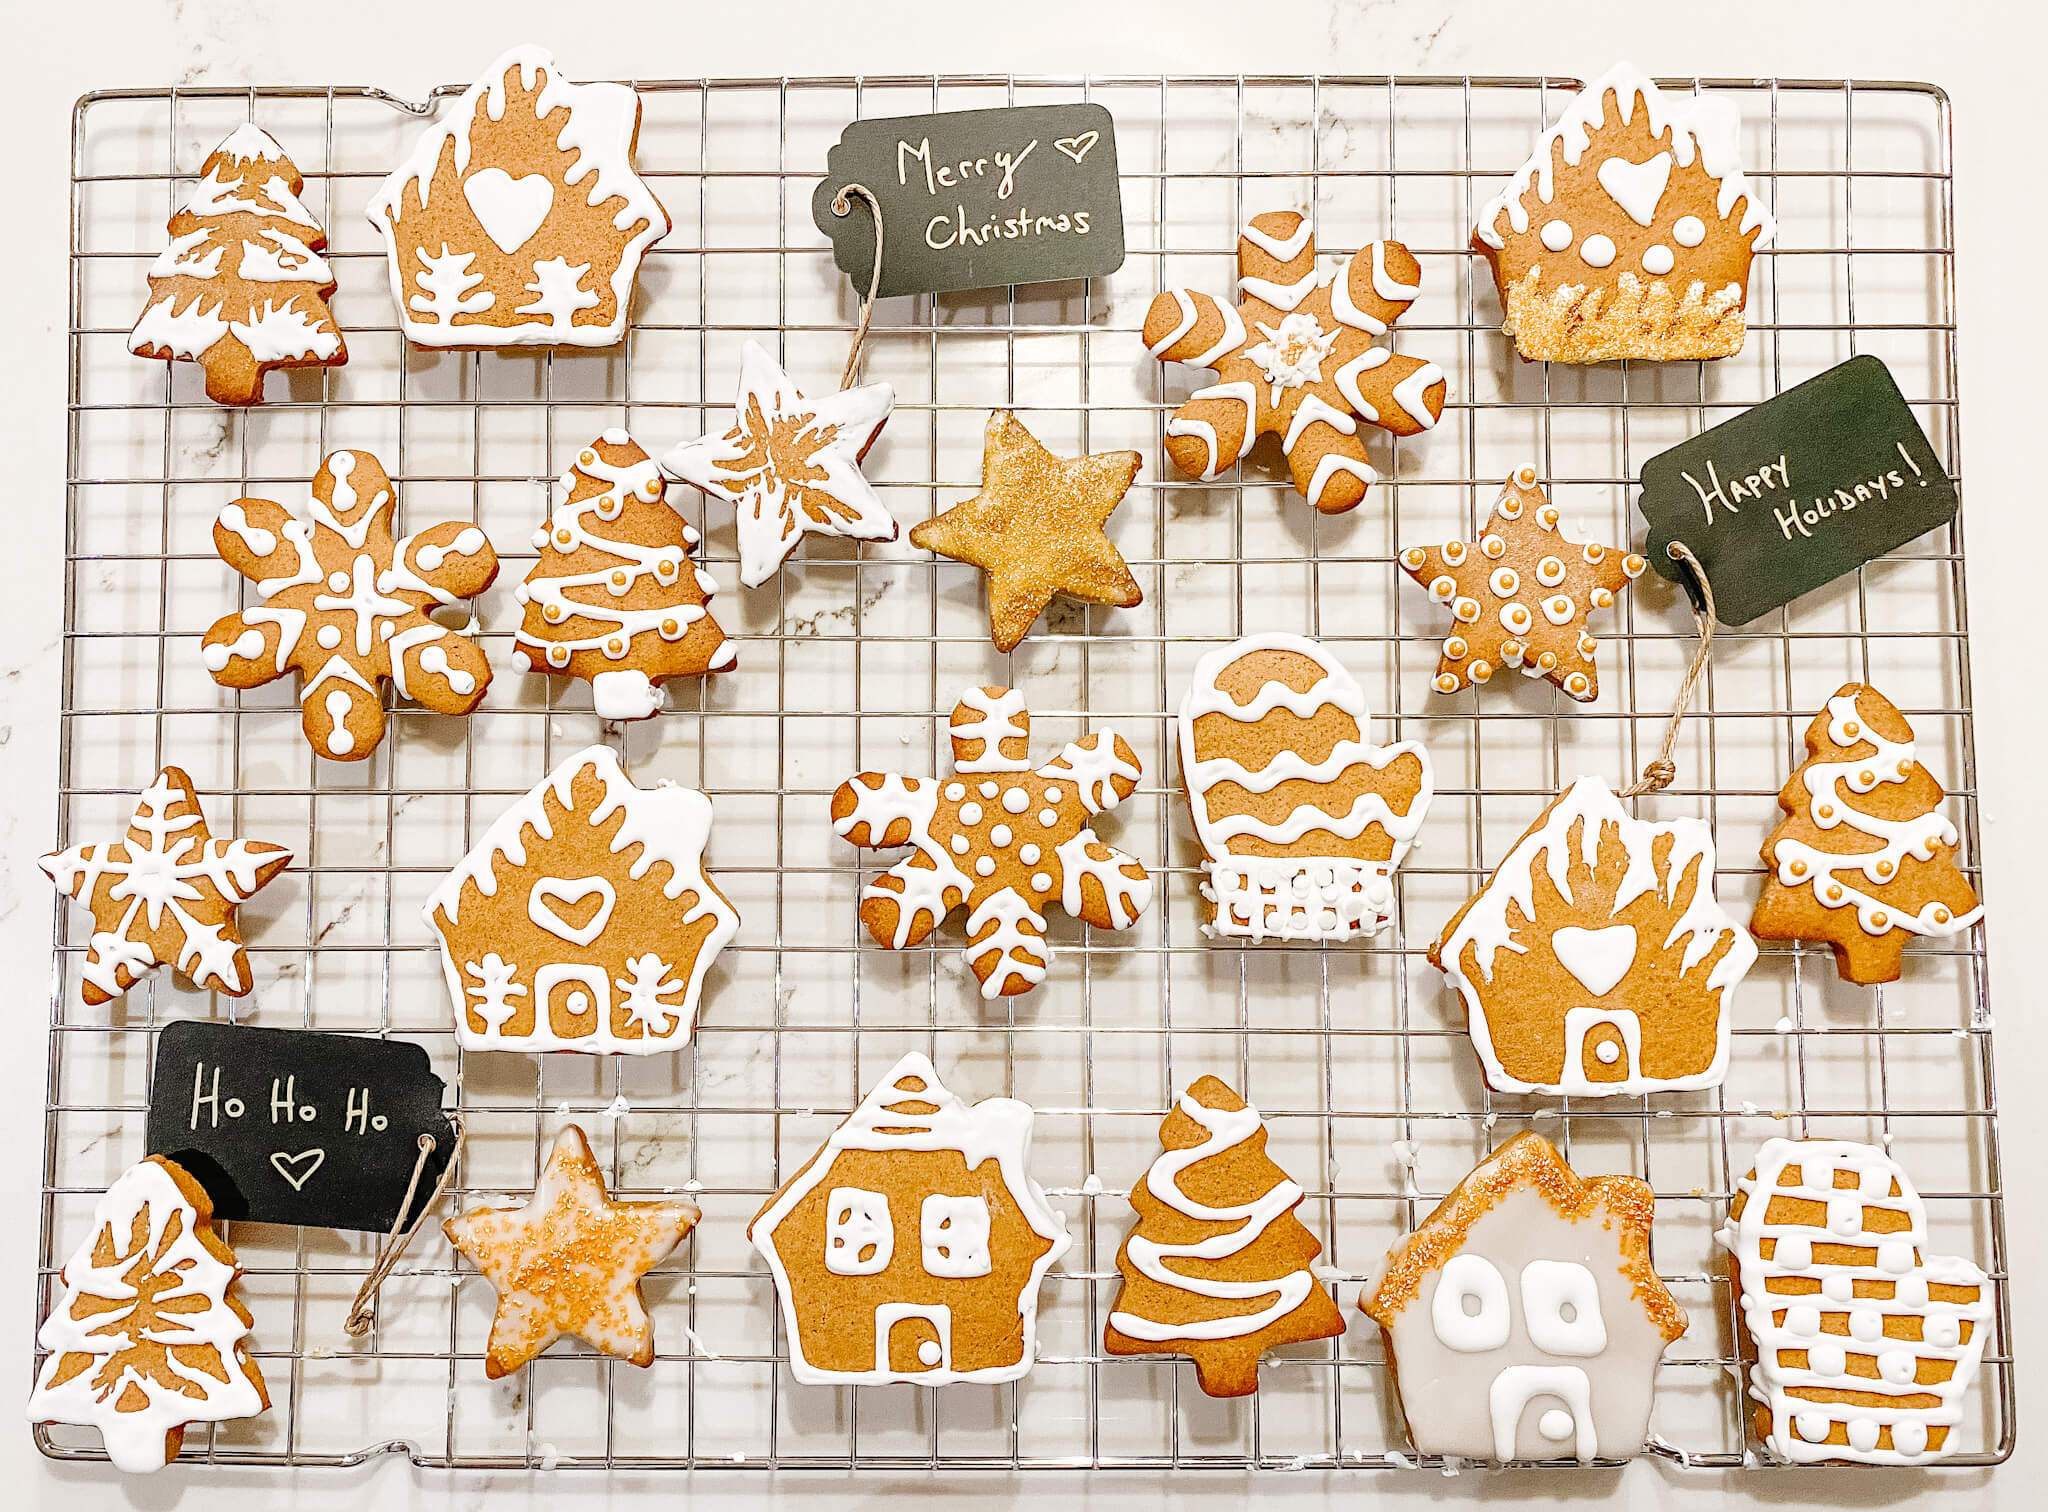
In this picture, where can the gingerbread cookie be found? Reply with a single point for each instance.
(790, 466)
(570, 1261)
(146, 1335)
(1301, 820)
(1596, 960)
(1520, 594)
(999, 839)
(615, 597)
(1296, 358)
(1629, 232)
(583, 920)
(1866, 861)
(166, 893)
(242, 287)
(1524, 1318)
(346, 606)
(1036, 529)
(519, 219)
(912, 1245)
(1864, 1347)
(1218, 1268)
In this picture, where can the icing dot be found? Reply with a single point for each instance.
(1812, 1426)
(959, 845)
(1504, 582)
(1480, 670)
(1577, 685)
(1047, 818)
(1511, 508)
(578, 1004)
(1511, 652)
(1494, 547)
(1040, 882)
(1454, 552)
(1556, 1424)
(1634, 563)
(1865, 1326)
(1053, 795)
(1557, 235)
(329, 636)
(1595, 552)
(1547, 517)
(1607, 1052)
(1828, 1359)
(1558, 609)
(999, 836)
(955, 791)
(1414, 557)
(1527, 478)
(1455, 648)
(1546, 661)
(1596, 251)
(1863, 1435)
(1447, 682)
(970, 813)
(1550, 572)
(1944, 1333)
(1896, 1367)
(984, 865)
(1603, 598)
(1515, 617)
(989, 790)
(1016, 800)
(1657, 260)
(1443, 587)
(1690, 231)
(1838, 1288)
(1029, 854)
(929, 1353)
(1802, 1322)
(1466, 610)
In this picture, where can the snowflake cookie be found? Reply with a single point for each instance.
(790, 466)
(519, 219)
(166, 893)
(1296, 358)
(999, 839)
(1520, 594)
(346, 606)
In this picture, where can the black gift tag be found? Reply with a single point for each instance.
(293, 1126)
(1797, 491)
(976, 199)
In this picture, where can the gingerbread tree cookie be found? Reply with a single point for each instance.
(1036, 529)
(790, 465)
(999, 839)
(1218, 1266)
(242, 287)
(1596, 960)
(166, 893)
(1866, 860)
(1296, 358)
(346, 606)
(615, 597)
(146, 1335)
(519, 219)
(1520, 594)
(1629, 232)
(570, 1261)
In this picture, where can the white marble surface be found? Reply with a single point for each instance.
(1975, 50)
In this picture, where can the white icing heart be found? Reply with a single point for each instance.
(1637, 187)
(1597, 958)
(509, 209)
(542, 911)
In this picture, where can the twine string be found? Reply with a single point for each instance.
(393, 1246)
(1662, 770)
(842, 205)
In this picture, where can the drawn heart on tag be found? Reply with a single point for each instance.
(1597, 958)
(1637, 187)
(286, 1165)
(549, 890)
(509, 209)
(1077, 147)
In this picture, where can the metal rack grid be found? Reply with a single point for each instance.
(1357, 1058)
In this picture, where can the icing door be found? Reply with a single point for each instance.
(1602, 1046)
(912, 1340)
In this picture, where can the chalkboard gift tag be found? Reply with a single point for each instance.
(976, 199)
(294, 1126)
(1797, 491)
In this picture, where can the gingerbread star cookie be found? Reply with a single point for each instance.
(1520, 594)
(570, 1261)
(1036, 528)
(790, 465)
(166, 893)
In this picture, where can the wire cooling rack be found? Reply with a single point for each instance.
(852, 659)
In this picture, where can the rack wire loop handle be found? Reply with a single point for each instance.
(1662, 770)
(363, 1311)
(841, 205)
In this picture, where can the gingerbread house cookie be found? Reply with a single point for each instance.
(1524, 1318)
(1596, 960)
(1629, 232)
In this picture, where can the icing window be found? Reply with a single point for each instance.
(954, 1231)
(1561, 1308)
(1470, 1311)
(859, 1238)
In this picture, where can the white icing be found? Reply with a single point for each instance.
(1384, 283)
(1280, 249)
(1292, 353)
(1550, 1289)
(177, 259)
(1330, 464)
(1240, 391)
(1125, 897)
(287, 260)
(1658, 260)
(1470, 1311)
(1311, 410)
(1557, 235)
(284, 333)
(1517, 1385)
(1689, 231)
(1596, 251)
(1190, 315)
(860, 1239)
(185, 333)
(547, 891)
(509, 209)
(953, 1234)
(1410, 392)
(1000, 716)
(1597, 958)
(1636, 187)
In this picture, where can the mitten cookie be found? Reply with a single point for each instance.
(1866, 861)
(242, 287)
(1036, 529)
(615, 597)
(146, 1334)
(1596, 960)
(1218, 1268)
(570, 1261)
(912, 1245)
(583, 919)
(1524, 1318)
(1520, 594)
(1302, 822)
(346, 606)
(518, 219)
(1630, 230)
(1296, 358)
(1864, 1346)
(166, 893)
(1000, 840)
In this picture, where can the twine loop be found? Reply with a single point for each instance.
(363, 1311)
(1661, 771)
(842, 205)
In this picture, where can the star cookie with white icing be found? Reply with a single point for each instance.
(1520, 594)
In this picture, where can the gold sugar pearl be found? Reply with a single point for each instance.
(1884, 868)
(615, 645)
(619, 577)
(1414, 556)
(1941, 915)
(1494, 547)
(669, 626)
(586, 457)
(1526, 477)
(1797, 868)
(1905, 769)
(1866, 777)
(1595, 551)
(1481, 670)
(1834, 894)
(1455, 648)
(1548, 517)
(552, 614)
(563, 537)
(651, 489)
(1447, 682)
(1880, 919)
(1852, 729)
(1547, 661)
(1824, 810)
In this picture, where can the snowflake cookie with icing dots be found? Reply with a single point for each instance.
(1296, 357)
(347, 606)
(999, 839)
(1520, 594)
